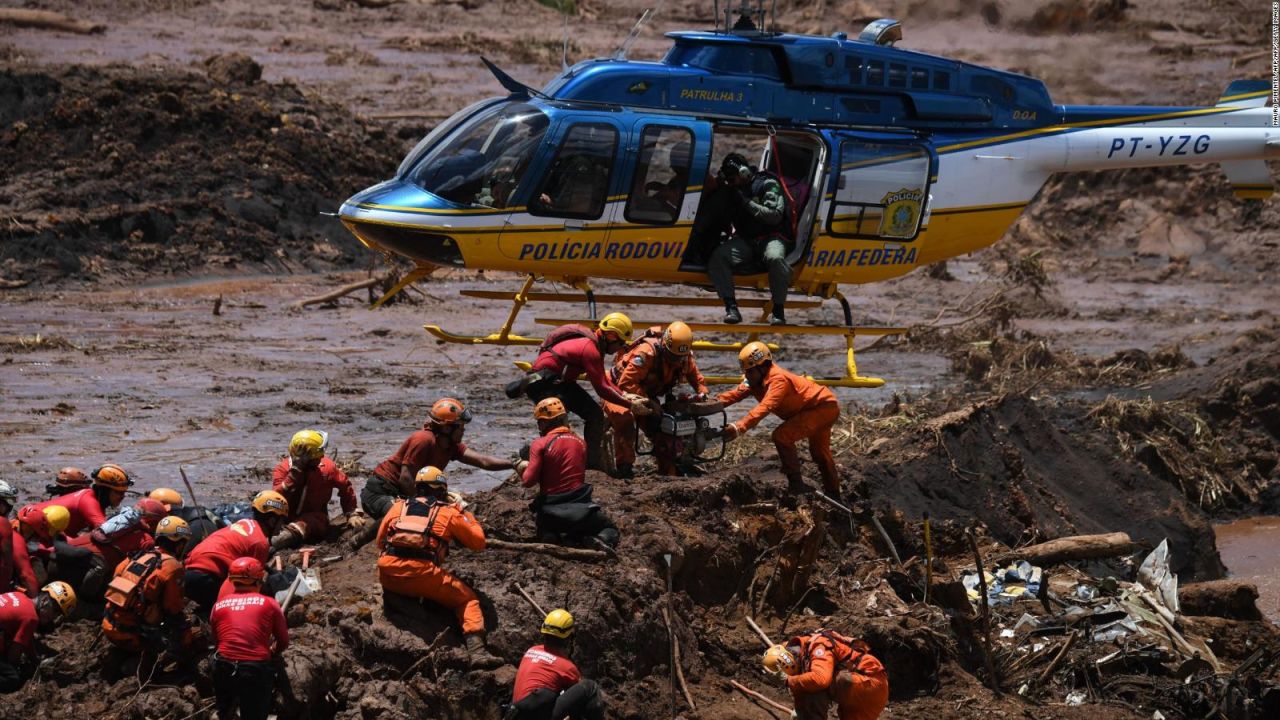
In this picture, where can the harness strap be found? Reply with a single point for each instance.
(782, 180)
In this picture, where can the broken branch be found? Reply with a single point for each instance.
(757, 696)
(1076, 547)
(675, 651)
(986, 615)
(340, 292)
(564, 553)
(45, 20)
(531, 601)
(761, 633)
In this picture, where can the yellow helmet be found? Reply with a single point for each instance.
(549, 409)
(778, 659)
(618, 324)
(56, 518)
(559, 624)
(308, 445)
(677, 339)
(112, 476)
(270, 502)
(432, 478)
(63, 595)
(168, 496)
(753, 355)
(174, 528)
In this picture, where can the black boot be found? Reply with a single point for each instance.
(731, 314)
(779, 316)
(796, 485)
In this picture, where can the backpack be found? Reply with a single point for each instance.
(857, 648)
(125, 590)
(411, 535)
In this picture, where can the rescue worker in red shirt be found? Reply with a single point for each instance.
(89, 507)
(20, 617)
(438, 442)
(808, 410)
(557, 466)
(414, 538)
(86, 560)
(651, 368)
(825, 666)
(168, 497)
(251, 633)
(69, 480)
(548, 684)
(568, 352)
(145, 597)
(208, 563)
(307, 479)
(15, 565)
(38, 528)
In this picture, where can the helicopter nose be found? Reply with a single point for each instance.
(401, 218)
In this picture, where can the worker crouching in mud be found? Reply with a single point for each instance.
(808, 411)
(145, 603)
(251, 634)
(557, 466)
(20, 618)
(414, 539)
(825, 667)
(209, 562)
(548, 684)
(307, 479)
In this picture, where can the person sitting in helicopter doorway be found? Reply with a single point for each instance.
(755, 205)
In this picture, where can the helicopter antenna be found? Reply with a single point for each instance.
(564, 48)
(630, 40)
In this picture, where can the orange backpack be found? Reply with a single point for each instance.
(411, 534)
(125, 590)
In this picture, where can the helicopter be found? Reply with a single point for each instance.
(894, 160)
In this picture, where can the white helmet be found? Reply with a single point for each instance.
(7, 492)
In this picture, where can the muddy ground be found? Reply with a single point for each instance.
(1110, 365)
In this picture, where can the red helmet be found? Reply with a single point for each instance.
(247, 571)
(151, 510)
(72, 477)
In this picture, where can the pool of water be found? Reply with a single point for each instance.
(1250, 549)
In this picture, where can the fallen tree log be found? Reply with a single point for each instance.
(559, 551)
(757, 696)
(340, 292)
(46, 20)
(1076, 547)
(1231, 599)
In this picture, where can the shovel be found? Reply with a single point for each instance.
(310, 575)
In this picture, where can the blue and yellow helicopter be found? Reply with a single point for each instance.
(894, 160)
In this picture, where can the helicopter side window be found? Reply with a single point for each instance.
(853, 64)
(941, 80)
(880, 191)
(919, 79)
(483, 161)
(662, 174)
(875, 72)
(577, 185)
(897, 75)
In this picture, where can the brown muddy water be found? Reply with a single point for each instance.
(1250, 549)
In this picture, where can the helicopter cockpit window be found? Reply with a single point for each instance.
(577, 185)
(875, 72)
(662, 174)
(881, 190)
(483, 161)
(729, 59)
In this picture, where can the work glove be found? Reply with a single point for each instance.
(640, 405)
(356, 519)
(455, 499)
(730, 432)
(520, 466)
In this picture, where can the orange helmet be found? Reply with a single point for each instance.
(549, 409)
(72, 477)
(447, 411)
(247, 571)
(168, 496)
(112, 476)
(677, 339)
(753, 355)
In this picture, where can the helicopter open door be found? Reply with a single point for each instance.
(882, 189)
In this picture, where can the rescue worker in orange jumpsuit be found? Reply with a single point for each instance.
(69, 480)
(438, 442)
(251, 633)
(208, 563)
(569, 352)
(414, 538)
(86, 560)
(89, 507)
(548, 684)
(824, 667)
(20, 618)
(37, 529)
(651, 368)
(307, 479)
(807, 409)
(145, 597)
(15, 564)
(557, 466)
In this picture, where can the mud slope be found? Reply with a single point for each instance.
(115, 172)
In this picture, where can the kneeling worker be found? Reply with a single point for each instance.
(557, 466)
(307, 479)
(20, 617)
(807, 409)
(548, 684)
(145, 598)
(824, 666)
(251, 633)
(414, 539)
